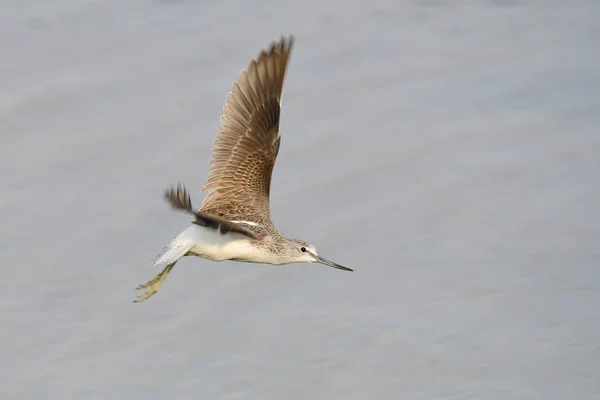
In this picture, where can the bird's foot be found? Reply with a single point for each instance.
(148, 293)
(150, 282)
(153, 284)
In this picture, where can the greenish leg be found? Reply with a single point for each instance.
(153, 284)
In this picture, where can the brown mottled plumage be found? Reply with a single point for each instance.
(234, 222)
(179, 198)
(244, 152)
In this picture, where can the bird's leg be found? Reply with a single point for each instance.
(154, 284)
(151, 281)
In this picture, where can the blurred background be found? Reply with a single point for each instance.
(445, 150)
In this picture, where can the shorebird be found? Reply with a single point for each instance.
(234, 221)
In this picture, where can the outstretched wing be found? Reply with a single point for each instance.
(179, 199)
(247, 143)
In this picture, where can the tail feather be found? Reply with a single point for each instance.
(177, 249)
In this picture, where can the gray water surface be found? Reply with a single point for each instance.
(445, 150)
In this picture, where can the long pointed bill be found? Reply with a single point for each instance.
(325, 261)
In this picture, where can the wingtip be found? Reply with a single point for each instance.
(289, 40)
(289, 43)
(179, 198)
(285, 43)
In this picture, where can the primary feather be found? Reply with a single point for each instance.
(248, 140)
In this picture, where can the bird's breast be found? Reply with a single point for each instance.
(213, 245)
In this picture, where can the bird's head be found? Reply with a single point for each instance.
(299, 251)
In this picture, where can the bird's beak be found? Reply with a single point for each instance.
(325, 261)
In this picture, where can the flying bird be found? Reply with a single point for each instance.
(234, 221)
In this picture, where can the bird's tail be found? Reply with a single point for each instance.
(177, 249)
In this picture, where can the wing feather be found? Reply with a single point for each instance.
(247, 143)
(179, 199)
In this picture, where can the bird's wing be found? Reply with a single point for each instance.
(179, 199)
(247, 143)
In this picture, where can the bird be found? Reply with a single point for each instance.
(234, 221)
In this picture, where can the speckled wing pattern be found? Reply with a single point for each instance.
(179, 199)
(247, 143)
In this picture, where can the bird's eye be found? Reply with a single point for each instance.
(303, 249)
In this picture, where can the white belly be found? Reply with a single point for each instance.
(211, 244)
